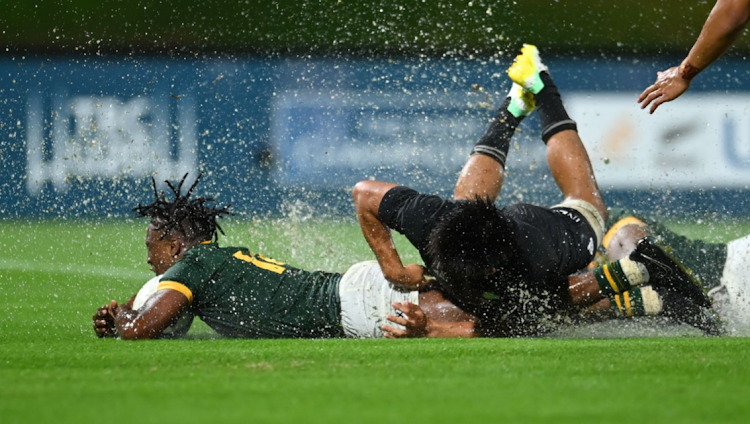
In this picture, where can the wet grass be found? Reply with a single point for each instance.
(53, 368)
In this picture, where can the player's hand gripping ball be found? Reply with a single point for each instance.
(180, 327)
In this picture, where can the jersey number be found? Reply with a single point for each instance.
(273, 267)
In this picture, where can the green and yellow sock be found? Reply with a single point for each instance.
(636, 302)
(619, 276)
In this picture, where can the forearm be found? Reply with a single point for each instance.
(368, 196)
(152, 318)
(379, 238)
(723, 26)
(131, 326)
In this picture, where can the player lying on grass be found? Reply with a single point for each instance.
(511, 268)
(241, 294)
(722, 268)
(178, 235)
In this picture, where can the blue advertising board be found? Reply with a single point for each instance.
(82, 137)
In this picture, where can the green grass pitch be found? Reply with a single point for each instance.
(53, 275)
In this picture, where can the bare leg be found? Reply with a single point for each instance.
(583, 289)
(482, 176)
(600, 310)
(571, 168)
(624, 241)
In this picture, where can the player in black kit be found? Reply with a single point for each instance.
(510, 268)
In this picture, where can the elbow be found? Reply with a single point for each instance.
(359, 190)
(361, 193)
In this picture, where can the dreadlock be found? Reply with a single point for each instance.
(190, 217)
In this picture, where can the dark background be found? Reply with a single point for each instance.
(287, 45)
(333, 27)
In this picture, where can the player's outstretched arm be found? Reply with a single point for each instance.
(159, 311)
(367, 198)
(723, 26)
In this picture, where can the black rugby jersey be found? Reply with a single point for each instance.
(551, 245)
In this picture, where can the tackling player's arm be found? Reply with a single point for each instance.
(159, 311)
(367, 198)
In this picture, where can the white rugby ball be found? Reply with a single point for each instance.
(183, 322)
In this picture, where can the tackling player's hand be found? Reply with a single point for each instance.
(412, 317)
(104, 320)
(669, 85)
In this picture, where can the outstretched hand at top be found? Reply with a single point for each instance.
(669, 85)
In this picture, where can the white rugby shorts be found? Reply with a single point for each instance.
(732, 297)
(366, 298)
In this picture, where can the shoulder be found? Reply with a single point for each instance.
(402, 198)
(197, 261)
(398, 195)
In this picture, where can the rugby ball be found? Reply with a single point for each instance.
(180, 327)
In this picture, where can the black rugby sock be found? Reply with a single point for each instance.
(496, 140)
(552, 113)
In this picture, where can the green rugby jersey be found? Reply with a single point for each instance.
(240, 294)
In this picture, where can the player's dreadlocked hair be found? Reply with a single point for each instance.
(473, 239)
(190, 217)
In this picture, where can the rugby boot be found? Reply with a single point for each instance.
(667, 273)
(526, 68)
(522, 102)
(677, 307)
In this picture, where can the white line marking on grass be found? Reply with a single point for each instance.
(68, 268)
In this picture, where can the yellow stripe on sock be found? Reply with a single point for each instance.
(630, 220)
(174, 285)
(622, 284)
(628, 305)
(619, 304)
(610, 280)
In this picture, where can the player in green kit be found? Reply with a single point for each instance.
(723, 269)
(242, 294)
